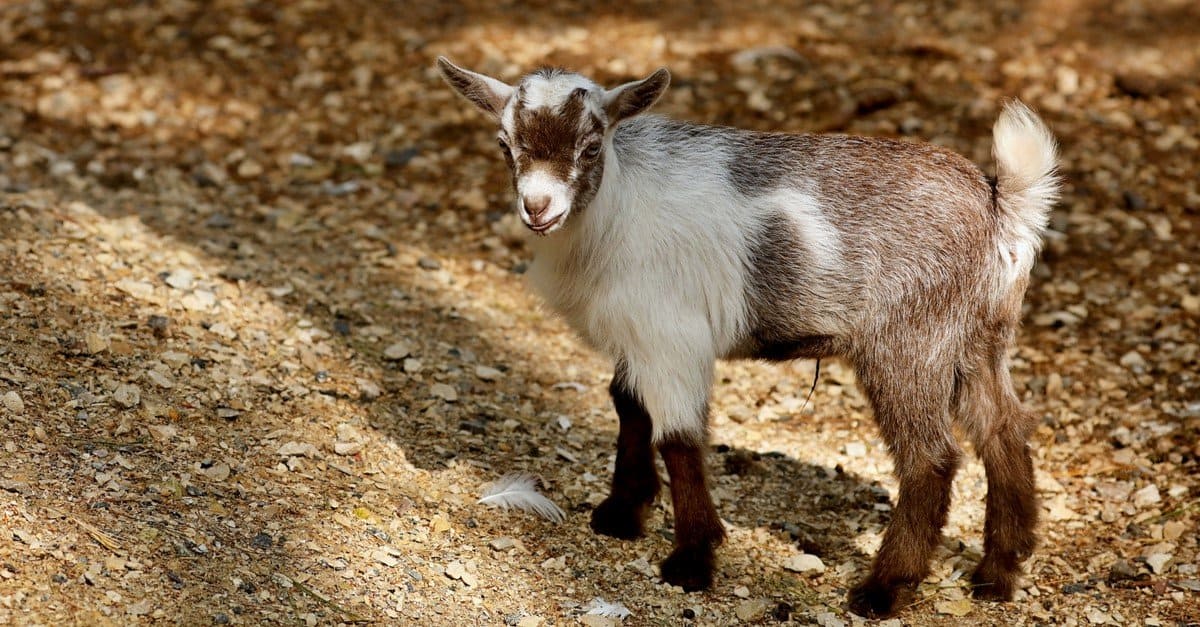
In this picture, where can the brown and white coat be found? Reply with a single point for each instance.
(668, 245)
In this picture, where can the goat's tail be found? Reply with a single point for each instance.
(1026, 161)
(1026, 185)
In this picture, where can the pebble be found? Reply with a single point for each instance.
(804, 563)
(829, 619)
(1190, 303)
(249, 169)
(752, 609)
(13, 402)
(1159, 562)
(1134, 361)
(397, 351)
(502, 544)
(360, 152)
(444, 392)
(1173, 529)
(217, 472)
(1147, 496)
(96, 342)
(530, 621)
(291, 449)
(958, 607)
(593, 620)
(199, 300)
(181, 279)
(856, 449)
(741, 592)
(127, 396)
(455, 570)
(429, 263)
(487, 373)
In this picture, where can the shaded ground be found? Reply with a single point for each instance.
(263, 335)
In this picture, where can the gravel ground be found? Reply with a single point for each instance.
(264, 338)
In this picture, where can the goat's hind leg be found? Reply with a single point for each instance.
(912, 413)
(999, 428)
(635, 480)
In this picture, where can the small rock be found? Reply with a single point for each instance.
(199, 300)
(1140, 84)
(217, 472)
(1134, 361)
(487, 373)
(347, 448)
(291, 449)
(530, 621)
(641, 565)
(444, 392)
(249, 169)
(1190, 303)
(397, 351)
(360, 152)
(592, 620)
(856, 449)
(223, 330)
(829, 619)
(429, 263)
(1121, 570)
(13, 402)
(1172, 530)
(1159, 562)
(741, 592)
(181, 279)
(96, 343)
(1147, 496)
(502, 544)
(158, 325)
(262, 540)
(1097, 617)
(804, 563)
(136, 289)
(455, 570)
(384, 557)
(753, 609)
(960, 607)
(140, 608)
(127, 396)
(412, 366)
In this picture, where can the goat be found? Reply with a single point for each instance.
(667, 245)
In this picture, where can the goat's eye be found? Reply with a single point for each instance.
(592, 151)
(504, 146)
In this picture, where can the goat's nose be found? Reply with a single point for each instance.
(536, 207)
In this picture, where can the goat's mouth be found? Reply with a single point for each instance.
(545, 227)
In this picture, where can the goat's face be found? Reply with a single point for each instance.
(554, 130)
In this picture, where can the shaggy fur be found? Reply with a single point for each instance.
(676, 244)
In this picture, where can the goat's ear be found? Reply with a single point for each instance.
(485, 92)
(633, 98)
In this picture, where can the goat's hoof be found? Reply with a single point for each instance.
(875, 599)
(690, 568)
(992, 583)
(618, 518)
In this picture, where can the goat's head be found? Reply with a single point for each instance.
(555, 128)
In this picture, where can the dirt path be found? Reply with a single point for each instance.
(264, 338)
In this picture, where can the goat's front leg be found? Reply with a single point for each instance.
(698, 529)
(635, 480)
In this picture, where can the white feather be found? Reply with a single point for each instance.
(520, 491)
(600, 607)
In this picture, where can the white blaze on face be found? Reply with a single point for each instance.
(539, 183)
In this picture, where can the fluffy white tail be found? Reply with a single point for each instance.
(1026, 186)
(1026, 160)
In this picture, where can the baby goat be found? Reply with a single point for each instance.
(668, 245)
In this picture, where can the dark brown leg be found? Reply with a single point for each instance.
(914, 420)
(635, 480)
(1012, 508)
(698, 529)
